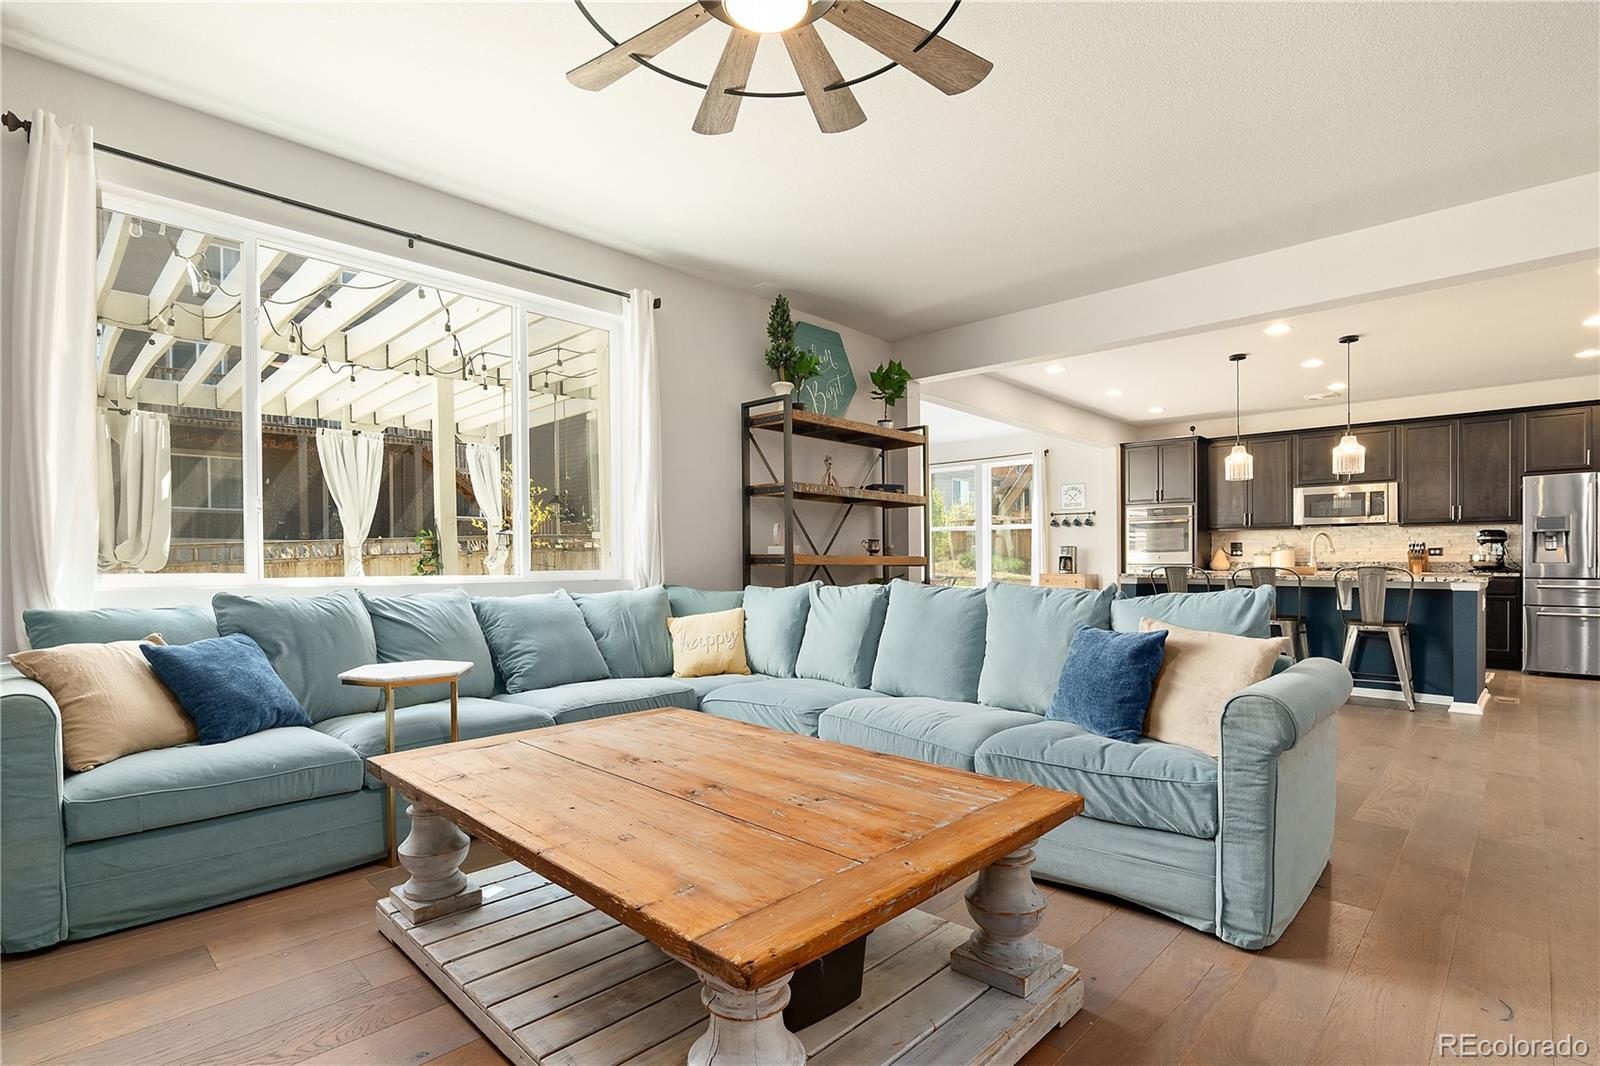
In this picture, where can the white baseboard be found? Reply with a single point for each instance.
(1475, 709)
(1424, 699)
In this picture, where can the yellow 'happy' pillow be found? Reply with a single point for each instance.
(707, 644)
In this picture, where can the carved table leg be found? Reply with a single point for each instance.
(432, 855)
(746, 1027)
(1007, 907)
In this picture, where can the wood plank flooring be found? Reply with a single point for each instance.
(1464, 896)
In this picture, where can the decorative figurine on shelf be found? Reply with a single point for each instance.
(827, 472)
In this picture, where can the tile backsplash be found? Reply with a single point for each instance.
(1366, 544)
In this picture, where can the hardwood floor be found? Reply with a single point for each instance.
(1464, 896)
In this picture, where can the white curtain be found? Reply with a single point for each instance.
(483, 466)
(639, 410)
(135, 456)
(352, 466)
(48, 553)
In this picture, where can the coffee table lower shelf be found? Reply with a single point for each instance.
(554, 982)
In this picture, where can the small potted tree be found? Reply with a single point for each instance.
(781, 351)
(889, 383)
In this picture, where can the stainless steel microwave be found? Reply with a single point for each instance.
(1375, 503)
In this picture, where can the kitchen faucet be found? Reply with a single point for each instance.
(1319, 536)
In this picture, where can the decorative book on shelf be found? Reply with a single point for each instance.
(773, 477)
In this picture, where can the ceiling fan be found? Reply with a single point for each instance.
(947, 67)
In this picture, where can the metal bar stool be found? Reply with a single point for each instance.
(1369, 615)
(1290, 624)
(1176, 577)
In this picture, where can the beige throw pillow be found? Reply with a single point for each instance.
(707, 644)
(1199, 672)
(112, 703)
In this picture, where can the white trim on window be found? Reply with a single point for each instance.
(983, 526)
(250, 234)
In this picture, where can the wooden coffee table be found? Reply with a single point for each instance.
(743, 853)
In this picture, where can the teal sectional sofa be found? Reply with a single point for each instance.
(1231, 845)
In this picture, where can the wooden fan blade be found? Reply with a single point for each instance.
(836, 111)
(947, 67)
(719, 109)
(613, 63)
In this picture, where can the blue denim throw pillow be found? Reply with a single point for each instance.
(1107, 680)
(226, 685)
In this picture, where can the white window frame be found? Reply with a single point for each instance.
(250, 234)
(984, 525)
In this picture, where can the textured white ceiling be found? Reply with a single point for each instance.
(1524, 327)
(1113, 143)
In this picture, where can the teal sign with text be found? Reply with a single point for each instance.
(830, 392)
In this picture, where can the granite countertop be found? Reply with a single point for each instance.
(1462, 579)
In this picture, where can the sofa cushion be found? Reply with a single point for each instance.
(792, 704)
(226, 685)
(630, 628)
(52, 627)
(309, 641)
(683, 600)
(1146, 784)
(842, 631)
(774, 625)
(431, 625)
(708, 645)
(945, 732)
(1107, 680)
(1025, 640)
(424, 724)
(1242, 612)
(705, 686)
(539, 641)
(193, 782)
(601, 699)
(932, 643)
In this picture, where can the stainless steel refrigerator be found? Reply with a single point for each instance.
(1561, 574)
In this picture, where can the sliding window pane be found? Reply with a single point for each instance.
(955, 557)
(1011, 494)
(1011, 556)
(567, 445)
(169, 447)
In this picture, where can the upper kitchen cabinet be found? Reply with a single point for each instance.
(1313, 464)
(1164, 471)
(1266, 501)
(1560, 438)
(1461, 470)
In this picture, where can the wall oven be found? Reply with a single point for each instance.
(1156, 536)
(1375, 503)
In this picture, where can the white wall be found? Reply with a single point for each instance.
(710, 336)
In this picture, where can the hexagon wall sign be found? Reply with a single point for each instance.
(830, 392)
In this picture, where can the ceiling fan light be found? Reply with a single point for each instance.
(1349, 456)
(1240, 465)
(767, 16)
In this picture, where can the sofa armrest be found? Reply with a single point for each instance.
(1278, 755)
(34, 904)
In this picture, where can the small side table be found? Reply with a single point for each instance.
(391, 676)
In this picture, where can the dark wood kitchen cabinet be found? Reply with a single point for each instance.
(1266, 501)
(1313, 463)
(1460, 470)
(1161, 471)
(1502, 624)
(1559, 439)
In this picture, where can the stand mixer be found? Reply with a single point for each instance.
(1491, 553)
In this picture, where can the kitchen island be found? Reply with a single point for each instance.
(1447, 633)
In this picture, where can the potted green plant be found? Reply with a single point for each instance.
(781, 351)
(889, 383)
(805, 367)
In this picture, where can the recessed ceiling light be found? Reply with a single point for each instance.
(1592, 320)
(1337, 386)
(1589, 353)
(1055, 368)
(1113, 392)
(1311, 364)
(1277, 329)
(1158, 410)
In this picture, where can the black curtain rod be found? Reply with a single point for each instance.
(13, 122)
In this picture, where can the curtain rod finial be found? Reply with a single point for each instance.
(14, 122)
(657, 304)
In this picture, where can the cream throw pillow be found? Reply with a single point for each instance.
(111, 702)
(704, 645)
(1199, 671)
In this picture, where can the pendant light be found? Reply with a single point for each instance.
(1349, 457)
(1239, 465)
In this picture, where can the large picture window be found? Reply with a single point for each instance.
(984, 522)
(279, 408)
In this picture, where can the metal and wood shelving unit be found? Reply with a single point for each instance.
(777, 415)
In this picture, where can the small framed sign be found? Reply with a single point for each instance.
(1073, 496)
